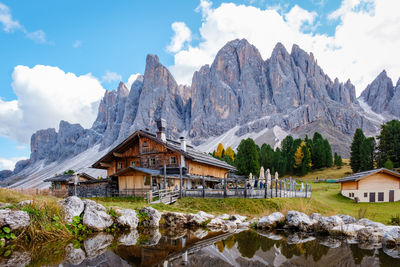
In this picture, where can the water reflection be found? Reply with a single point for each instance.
(198, 247)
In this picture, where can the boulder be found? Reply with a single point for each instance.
(393, 252)
(97, 245)
(299, 220)
(15, 219)
(392, 237)
(367, 222)
(224, 216)
(74, 256)
(270, 221)
(347, 219)
(315, 216)
(149, 217)
(347, 229)
(129, 239)
(4, 205)
(127, 218)
(370, 234)
(95, 216)
(72, 206)
(199, 218)
(325, 224)
(17, 259)
(244, 225)
(237, 218)
(175, 219)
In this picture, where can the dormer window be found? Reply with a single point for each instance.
(172, 160)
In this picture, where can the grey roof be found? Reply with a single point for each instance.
(360, 175)
(67, 177)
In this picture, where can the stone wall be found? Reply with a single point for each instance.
(99, 188)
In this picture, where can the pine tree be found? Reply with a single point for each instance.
(328, 153)
(355, 159)
(306, 163)
(219, 152)
(288, 150)
(318, 154)
(389, 144)
(247, 158)
(367, 150)
(338, 161)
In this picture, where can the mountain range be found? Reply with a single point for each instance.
(239, 95)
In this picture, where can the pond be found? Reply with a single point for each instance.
(203, 248)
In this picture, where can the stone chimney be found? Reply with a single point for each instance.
(161, 125)
(183, 143)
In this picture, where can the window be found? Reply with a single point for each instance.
(351, 194)
(380, 196)
(58, 185)
(365, 194)
(132, 164)
(152, 161)
(147, 180)
(119, 166)
(145, 144)
(172, 160)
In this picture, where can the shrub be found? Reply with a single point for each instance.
(395, 220)
(78, 229)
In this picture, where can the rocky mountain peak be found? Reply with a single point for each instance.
(280, 53)
(379, 93)
(122, 90)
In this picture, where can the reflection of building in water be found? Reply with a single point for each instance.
(169, 246)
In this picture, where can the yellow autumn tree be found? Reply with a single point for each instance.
(299, 155)
(219, 151)
(230, 153)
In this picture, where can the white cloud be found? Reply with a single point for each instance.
(77, 43)
(37, 36)
(365, 41)
(8, 164)
(111, 76)
(131, 80)
(182, 34)
(46, 95)
(298, 17)
(10, 25)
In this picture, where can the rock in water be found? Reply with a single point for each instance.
(15, 219)
(347, 229)
(127, 218)
(370, 234)
(392, 237)
(299, 220)
(72, 206)
(325, 224)
(199, 218)
(270, 221)
(347, 218)
(175, 219)
(95, 216)
(17, 259)
(149, 217)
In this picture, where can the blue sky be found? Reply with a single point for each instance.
(100, 37)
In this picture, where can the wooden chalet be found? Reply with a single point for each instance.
(59, 183)
(379, 185)
(151, 161)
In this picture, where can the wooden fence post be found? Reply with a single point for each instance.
(245, 188)
(310, 189)
(265, 190)
(237, 191)
(204, 185)
(225, 186)
(276, 187)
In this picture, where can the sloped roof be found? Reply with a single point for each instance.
(68, 177)
(173, 145)
(144, 170)
(361, 175)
